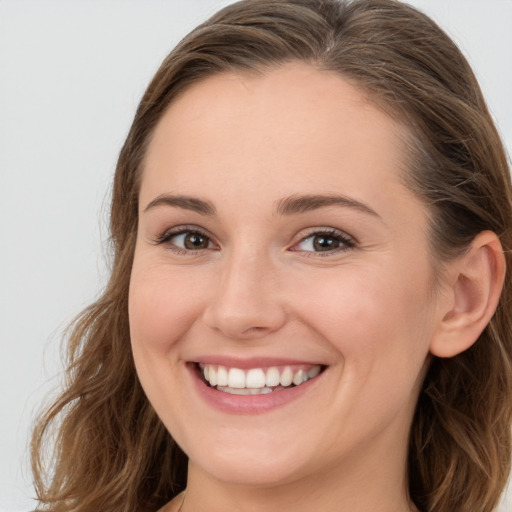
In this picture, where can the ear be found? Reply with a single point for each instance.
(475, 281)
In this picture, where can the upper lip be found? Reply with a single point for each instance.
(252, 362)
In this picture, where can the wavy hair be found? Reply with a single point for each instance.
(101, 446)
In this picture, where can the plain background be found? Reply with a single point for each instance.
(71, 74)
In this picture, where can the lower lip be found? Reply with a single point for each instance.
(248, 404)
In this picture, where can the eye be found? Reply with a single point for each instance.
(325, 241)
(191, 241)
(184, 240)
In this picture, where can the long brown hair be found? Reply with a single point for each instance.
(110, 450)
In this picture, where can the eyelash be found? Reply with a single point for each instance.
(347, 242)
(166, 237)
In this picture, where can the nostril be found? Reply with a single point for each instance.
(244, 311)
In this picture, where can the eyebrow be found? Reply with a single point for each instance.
(306, 203)
(185, 202)
(286, 206)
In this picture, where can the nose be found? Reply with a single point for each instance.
(247, 302)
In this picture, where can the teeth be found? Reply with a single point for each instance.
(212, 377)
(222, 376)
(273, 377)
(256, 380)
(313, 372)
(297, 378)
(248, 391)
(236, 378)
(236, 391)
(286, 377)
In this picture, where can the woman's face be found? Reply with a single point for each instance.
(277, 243)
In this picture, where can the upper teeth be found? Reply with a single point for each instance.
(258, 377)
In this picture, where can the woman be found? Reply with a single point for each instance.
(309, 307)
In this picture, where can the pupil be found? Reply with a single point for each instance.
(325, 243)
(195, 241)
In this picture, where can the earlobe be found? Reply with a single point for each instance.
(476, 283)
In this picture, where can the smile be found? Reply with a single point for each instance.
(256, 381)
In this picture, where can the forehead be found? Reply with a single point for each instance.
(292, 92)
(296, 126)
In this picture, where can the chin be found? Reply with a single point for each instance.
(253, 473)
(252, 467)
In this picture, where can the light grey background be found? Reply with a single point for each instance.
(71, 74)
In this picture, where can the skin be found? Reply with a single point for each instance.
(369, 313)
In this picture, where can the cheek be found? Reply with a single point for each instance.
(162, 307)
(160, 316)
(372, 316)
